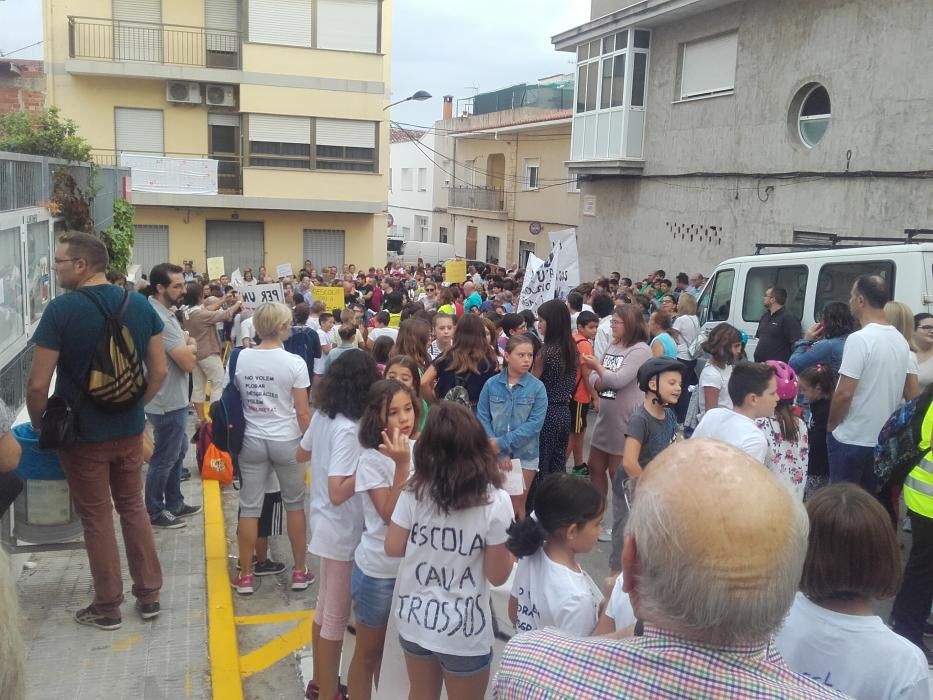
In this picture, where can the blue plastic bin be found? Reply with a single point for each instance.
(35, 463)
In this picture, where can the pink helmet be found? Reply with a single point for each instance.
(786, 380)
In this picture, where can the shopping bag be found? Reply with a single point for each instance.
(217, 466)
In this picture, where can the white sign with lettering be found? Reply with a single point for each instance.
(254, 295)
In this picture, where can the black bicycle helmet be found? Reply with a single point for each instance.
(657, 366)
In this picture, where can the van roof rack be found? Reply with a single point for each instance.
(827, 241)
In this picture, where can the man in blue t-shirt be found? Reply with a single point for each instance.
(106, 463)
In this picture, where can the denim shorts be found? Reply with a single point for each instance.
(372, 598)
(455, 665)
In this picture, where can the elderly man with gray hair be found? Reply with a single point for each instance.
(712, 558)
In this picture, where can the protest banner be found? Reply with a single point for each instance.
(254, 295)
(215, 268)
(455, 271)
(566, 263)
(538, 285)
(236, 278)
(284, 270)
(331, 296)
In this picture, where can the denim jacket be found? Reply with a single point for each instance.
(513, 416)
(808, 354)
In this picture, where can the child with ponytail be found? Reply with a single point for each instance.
(817, 385)
(551, 589)
(788, 441)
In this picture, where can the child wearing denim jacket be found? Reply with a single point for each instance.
(511, 408)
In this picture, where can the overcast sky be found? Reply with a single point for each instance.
(442, 46)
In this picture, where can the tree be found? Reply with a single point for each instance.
(43, 134)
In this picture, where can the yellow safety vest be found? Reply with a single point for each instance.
(918, 486)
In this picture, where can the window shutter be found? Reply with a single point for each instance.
(222, 22)
(348, 25)
(709, 65)
(223, 119)
(345, 132)
(139, 130)
(136, 34)
(277, 129)
(325, 247)
(138, 11)
(283, 22)
(150, 246)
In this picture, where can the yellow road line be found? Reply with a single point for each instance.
(272, 618)
(274, 651)
(222, 641)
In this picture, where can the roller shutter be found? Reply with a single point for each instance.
(325, 247)
(139, 130)
(150, 246)
(137, 34)
(276, 129)
(240, 243)
(348, 25)
(222, 119)
(282, 22)
(345, 132)
(222, 22)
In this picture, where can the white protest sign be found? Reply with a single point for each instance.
(566, 261)
(254, 295)
(538, 285)
(236, 278)
(284, 270)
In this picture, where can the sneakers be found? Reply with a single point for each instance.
(185, 474)
(268, 568)
(301, 579)
(187, 511)
(148, 611)
(582, 471)
(605, 535)
(166, 521)
(90, 617)
(243, 585)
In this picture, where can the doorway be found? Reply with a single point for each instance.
(471, 238)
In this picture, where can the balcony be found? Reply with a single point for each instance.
(483, 198)
(98, 39)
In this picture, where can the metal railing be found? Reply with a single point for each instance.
(115, 40)
(487, 199)
(24, 181)
(229, 168)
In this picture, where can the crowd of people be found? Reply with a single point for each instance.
(443, 426)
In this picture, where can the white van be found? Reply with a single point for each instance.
(430, 252)
(813, 279)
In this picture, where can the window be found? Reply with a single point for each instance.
(760, 279)
(708, 66)
(835, 280)
(281, 22)
(532, 166)
(345, 144)
(422, 179)
(139, 130)
(815, 113)
(492, 250)
(285, 142)
(588, 76)
(406, 179)
(421, 225)
(525, 248)
(573, 182)
(716, 299)
(279, 142)
(406, 233)
(639, 76)
(348, 25)
(442, 234)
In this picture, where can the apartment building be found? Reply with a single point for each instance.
(503, 162)
(254, 128)
(413, 181)
(703, 127)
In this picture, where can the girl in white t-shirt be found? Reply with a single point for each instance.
(832, 633)
(332, 444)
(450, 528)
(388, 422)
(725, 348)
(550, 588)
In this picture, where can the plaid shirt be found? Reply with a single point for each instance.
(546, 665)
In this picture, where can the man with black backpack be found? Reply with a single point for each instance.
(100, 338)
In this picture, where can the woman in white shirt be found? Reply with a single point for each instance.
(550, 588)
(273, 385)
(687, 326)
(832, 633)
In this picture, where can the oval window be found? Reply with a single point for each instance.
(815, 114)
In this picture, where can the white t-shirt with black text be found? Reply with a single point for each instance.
(442, 597)
(619, 607)
(855, 654)
(726, 425)
(265, 379)
(553, 595)
(335, 451)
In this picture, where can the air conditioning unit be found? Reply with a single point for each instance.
(188, 93)
(220, 95)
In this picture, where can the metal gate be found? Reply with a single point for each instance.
(150, 246)
(325, 248)
(240, 243)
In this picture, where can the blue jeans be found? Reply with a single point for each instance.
(170, 444)
(852, 463)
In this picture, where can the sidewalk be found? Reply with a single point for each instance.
(165, 658)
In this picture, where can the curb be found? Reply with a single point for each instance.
(221, 628)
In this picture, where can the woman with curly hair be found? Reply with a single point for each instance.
(470, 363)
(414, 337)
(725, 348)
(332, 444)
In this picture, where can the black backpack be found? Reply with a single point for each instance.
(115, 380)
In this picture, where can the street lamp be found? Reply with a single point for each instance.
(419, 96)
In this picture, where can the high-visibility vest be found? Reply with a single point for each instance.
(918, 486)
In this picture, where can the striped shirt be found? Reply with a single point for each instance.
(546, 665)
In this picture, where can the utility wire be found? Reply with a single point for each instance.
(10, 53)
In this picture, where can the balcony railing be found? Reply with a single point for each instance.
(229, 172)
(115, 40)
(487, 199)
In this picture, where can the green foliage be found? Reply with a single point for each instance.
(120, 235)
(43, 134)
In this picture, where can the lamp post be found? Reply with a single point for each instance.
(419, 96)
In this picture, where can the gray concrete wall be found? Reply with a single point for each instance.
(873, 59)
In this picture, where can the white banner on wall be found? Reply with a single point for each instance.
(171, 175)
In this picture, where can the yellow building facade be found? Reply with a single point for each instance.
(255, 130)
